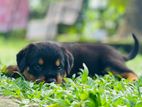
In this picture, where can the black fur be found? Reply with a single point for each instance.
(97, 57)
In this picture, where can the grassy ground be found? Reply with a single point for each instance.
(9, 48)
(80, 92)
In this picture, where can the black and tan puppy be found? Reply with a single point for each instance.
(51, 62)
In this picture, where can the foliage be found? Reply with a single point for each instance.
(9, 47)
(38, 8)
(82, 91)
(91, 20)
(106, 17)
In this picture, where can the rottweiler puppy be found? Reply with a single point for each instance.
(52, 61)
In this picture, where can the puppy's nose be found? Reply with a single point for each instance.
(51, 80)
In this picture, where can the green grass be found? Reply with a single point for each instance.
(82, 91)
(9, 48)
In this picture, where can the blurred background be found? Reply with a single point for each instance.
(107, 21)
(70, 20)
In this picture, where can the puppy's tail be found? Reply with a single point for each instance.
(134, 51)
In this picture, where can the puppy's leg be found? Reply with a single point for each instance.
(12, 71)
(12, 68)
(119, 68)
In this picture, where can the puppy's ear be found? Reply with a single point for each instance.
(69, 60)
(21, 57)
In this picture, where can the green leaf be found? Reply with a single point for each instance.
(53, 105)
(95, 97)
(85, 73)
(139, 104)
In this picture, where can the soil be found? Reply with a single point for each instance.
(8, 102)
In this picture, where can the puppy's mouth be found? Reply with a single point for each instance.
(56, 79)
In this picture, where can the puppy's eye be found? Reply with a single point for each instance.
(40, 61)
(58, 62)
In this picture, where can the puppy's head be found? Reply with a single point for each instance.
(47, 62)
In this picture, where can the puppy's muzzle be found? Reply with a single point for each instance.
(51, 80)
(58, 78)
(48, 78)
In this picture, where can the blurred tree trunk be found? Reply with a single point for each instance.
(133, 19)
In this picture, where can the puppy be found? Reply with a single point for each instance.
(51, 62)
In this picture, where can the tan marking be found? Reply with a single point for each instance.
(65, 74)
(127, 75)
(130, 76)
(41, 61)
(58, 62)
(28, 76)
(40, 79)
(60, 78)
(12, 69)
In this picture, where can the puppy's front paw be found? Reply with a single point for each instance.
(12, 71)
